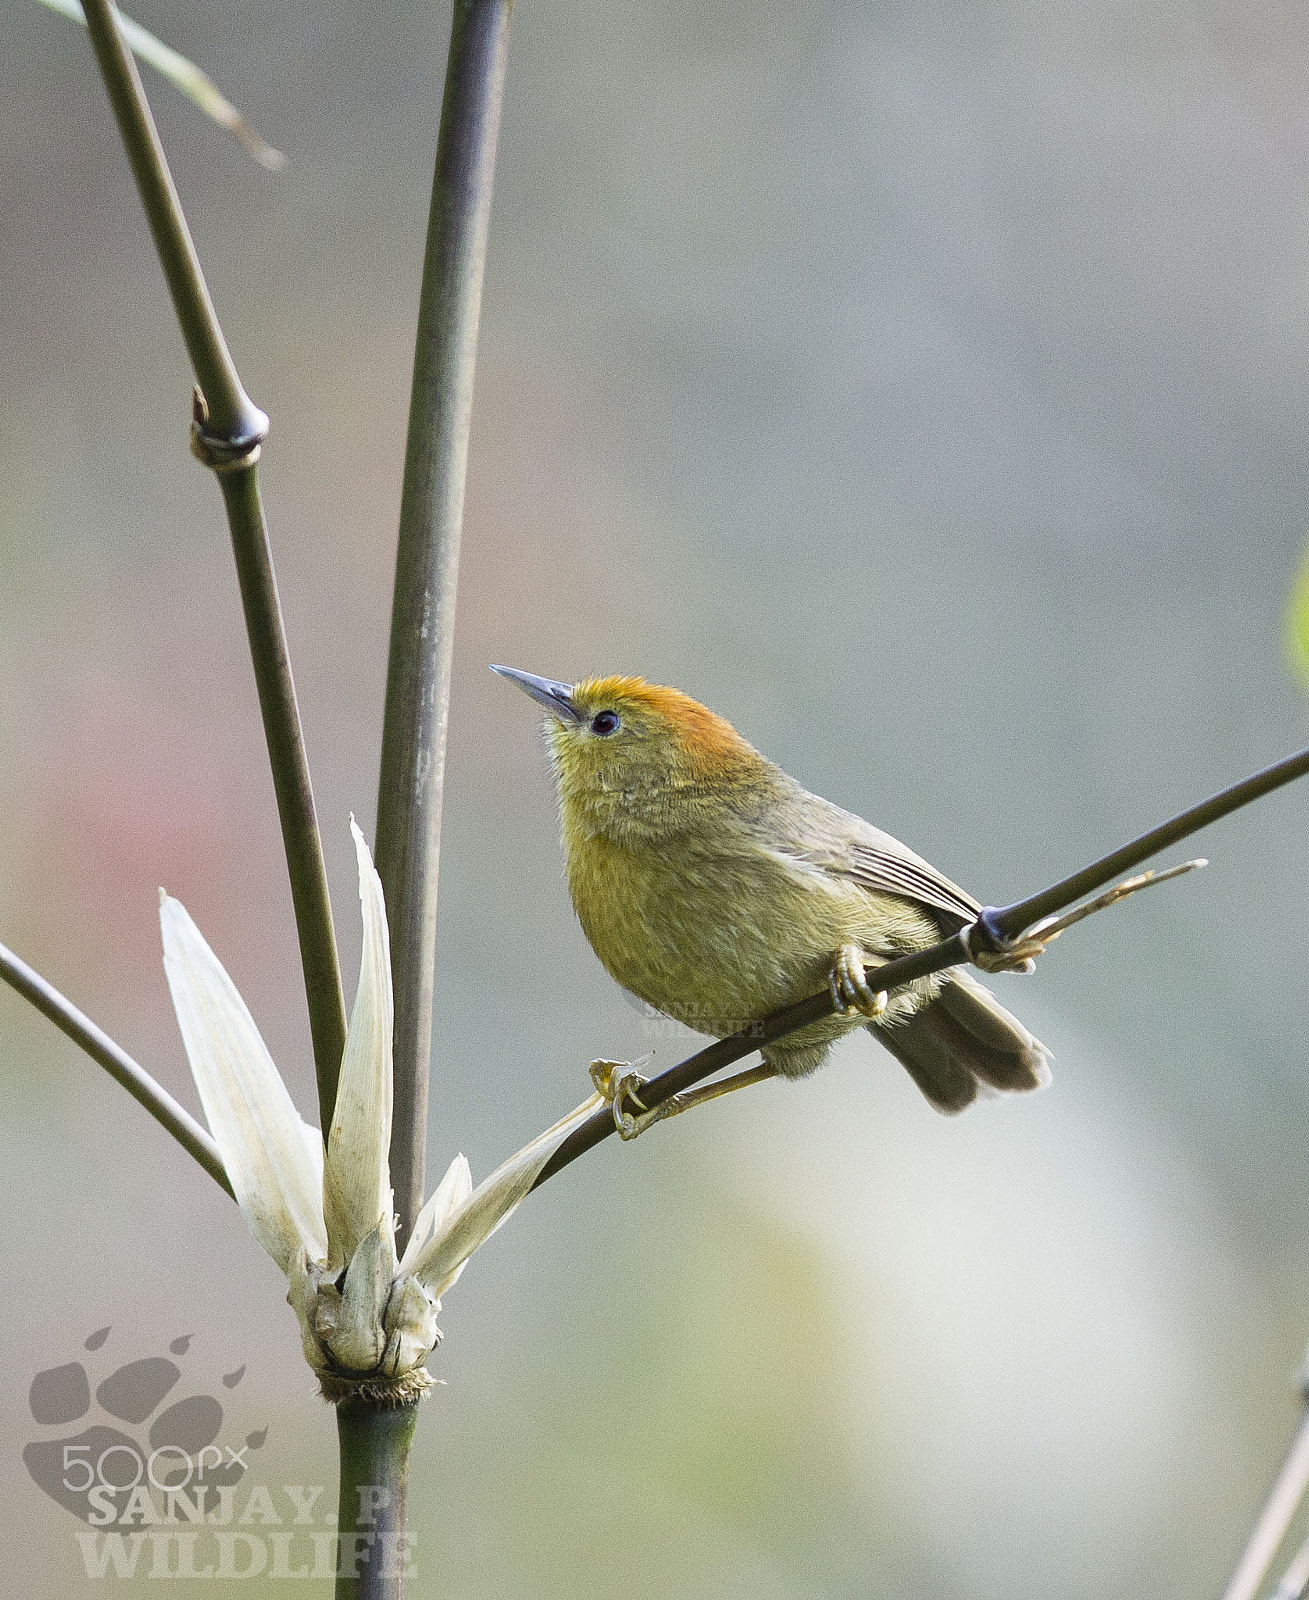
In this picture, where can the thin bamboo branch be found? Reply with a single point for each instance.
(1010, 922)
(166, 1111)
(427, 560)
(232, 414)
(998, 924)
(228, 431)
(291, 782)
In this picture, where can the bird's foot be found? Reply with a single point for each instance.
(618, 1082)
(852, 995)
(1020, 956)
(994, 951)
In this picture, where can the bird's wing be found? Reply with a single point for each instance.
(837, 841)
(889, 867)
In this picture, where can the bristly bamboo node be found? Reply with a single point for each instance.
(386, 1394)
(230, 452)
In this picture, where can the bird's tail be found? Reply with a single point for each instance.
(964, 1043)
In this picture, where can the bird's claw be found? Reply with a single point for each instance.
(1020, 956)
(618, 1081)
(852, 994)
(993, 951)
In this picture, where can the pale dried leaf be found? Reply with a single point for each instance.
(452, 1191)
(491, 1203)
(358, 1340)
(302, 1297)
(357, 1181)
(266, 1146)
(410, 1325)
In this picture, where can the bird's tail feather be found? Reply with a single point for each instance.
(964, 1043)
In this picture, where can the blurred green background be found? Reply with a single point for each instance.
(924, 387)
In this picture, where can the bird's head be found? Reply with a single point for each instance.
(631, 756)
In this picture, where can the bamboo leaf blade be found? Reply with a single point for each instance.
(198, 87)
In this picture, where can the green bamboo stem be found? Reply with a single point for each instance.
(375, 1548)
(232, 414)
(291, 782)
(228, 431)
(427, 560)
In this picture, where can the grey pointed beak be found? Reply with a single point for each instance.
(555, 697)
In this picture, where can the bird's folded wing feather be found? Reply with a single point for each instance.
(853, 848)
(898, 871)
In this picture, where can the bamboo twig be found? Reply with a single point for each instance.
(166, 1111)
(187, 78)
(427, 560)
(1014, 919)
(227, 434)
(233, 416)
(999, 925)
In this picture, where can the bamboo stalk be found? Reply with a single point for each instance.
(427, 561)
(227, 434)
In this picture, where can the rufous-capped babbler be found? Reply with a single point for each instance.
(718, 890)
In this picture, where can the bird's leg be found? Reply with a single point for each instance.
(851, 993)
(615, 1080)
(618, 1081)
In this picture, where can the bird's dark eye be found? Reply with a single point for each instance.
(604, 722)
